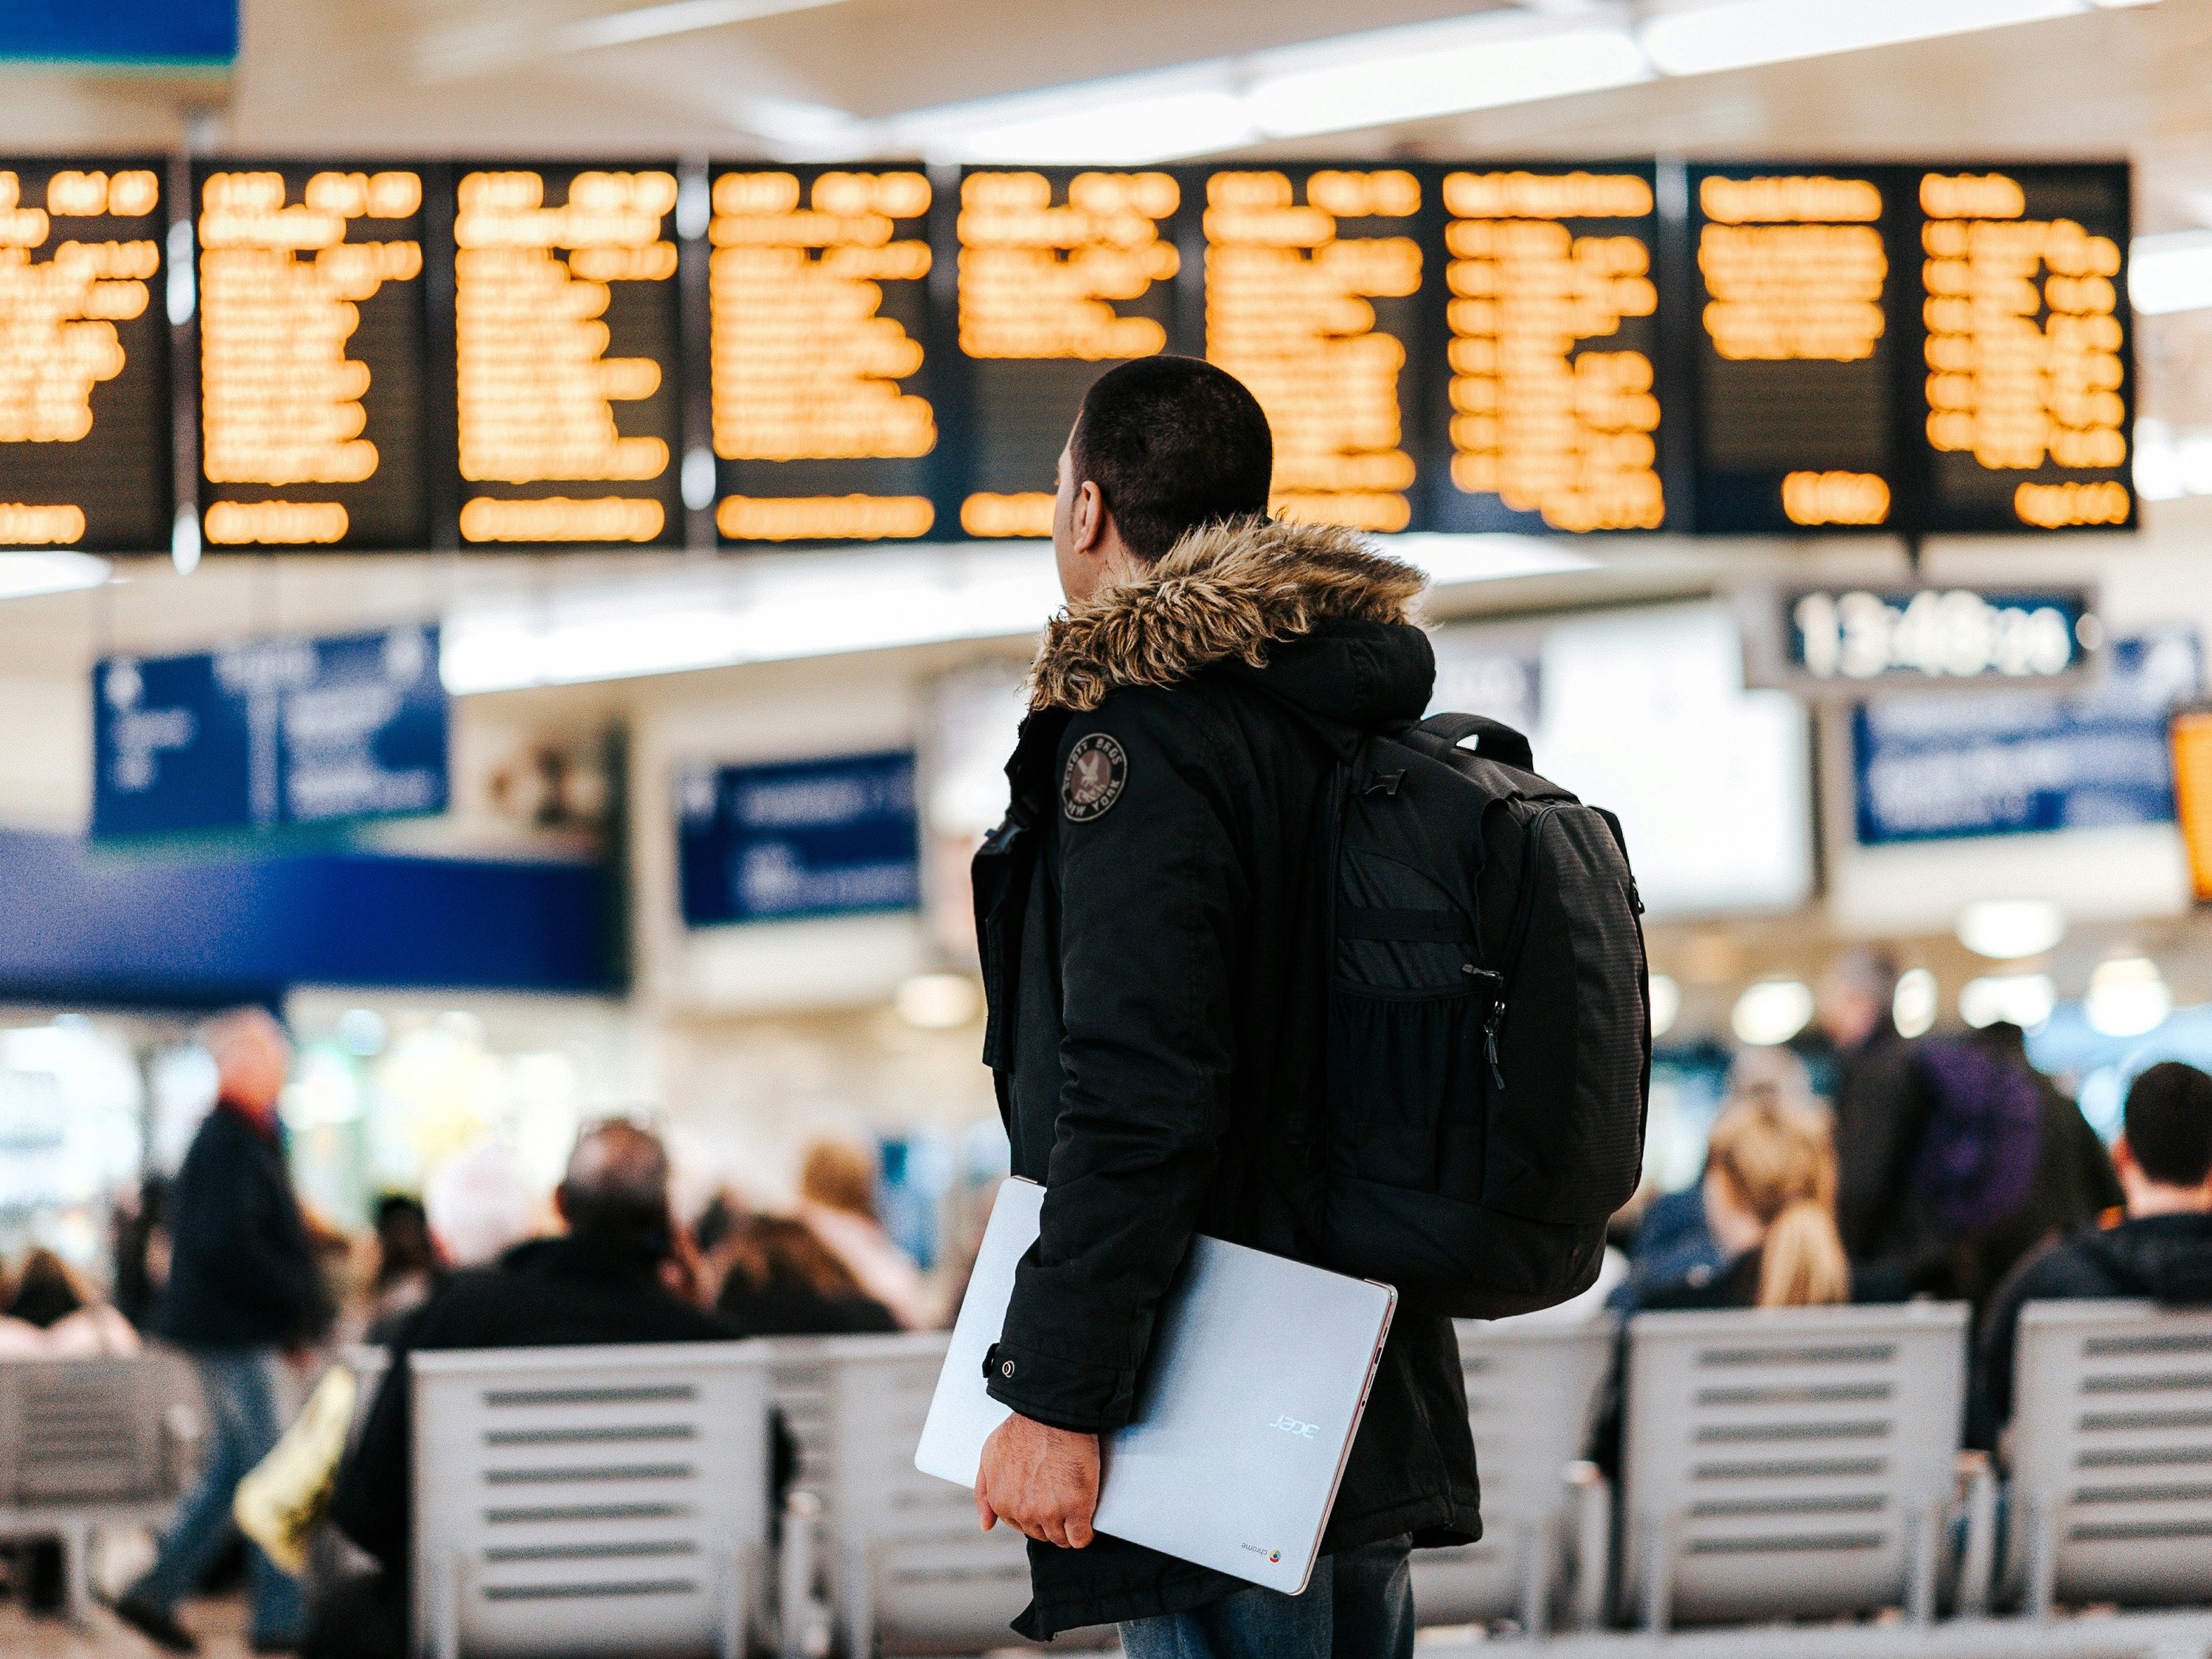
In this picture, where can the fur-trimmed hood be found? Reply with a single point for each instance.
(1224, 592)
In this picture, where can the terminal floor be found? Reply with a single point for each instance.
(218, 1621)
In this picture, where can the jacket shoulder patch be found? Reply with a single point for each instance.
(1097, 769)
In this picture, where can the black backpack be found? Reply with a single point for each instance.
(1489, 1033)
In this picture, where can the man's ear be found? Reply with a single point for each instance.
(1089, 522)
(2123, 1158)
(560, 1202)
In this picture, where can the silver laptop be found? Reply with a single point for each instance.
(1245, 1415)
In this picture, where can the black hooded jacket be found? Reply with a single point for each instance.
(2164, 1258)
(1157, 1000)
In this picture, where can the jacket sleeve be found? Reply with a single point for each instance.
(1152, 894)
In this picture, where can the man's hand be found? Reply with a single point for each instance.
(1041, 1481)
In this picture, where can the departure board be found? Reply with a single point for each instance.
(819, 317)
(2027, 399)
(1549, 410)
(313, 356)
(568, 355)
(86, 450)
(1795, 282)
(1313, 278)
(1062, 275)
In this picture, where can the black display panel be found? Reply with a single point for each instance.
(1313, 298)
(1544, 413)
(314, 357)
(1800, 275)
(821, 373)
(2026, 394)
(1060, 275)
(86, 447)
(567, 394)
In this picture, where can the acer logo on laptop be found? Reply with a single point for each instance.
(1291, 1426)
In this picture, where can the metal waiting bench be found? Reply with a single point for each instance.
(2111, 1456)
(602, 1500)
(1531, 1387)
(1789, 1463)
(90, 1443)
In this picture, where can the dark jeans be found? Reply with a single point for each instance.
(1359, 1604)
(240, 1387)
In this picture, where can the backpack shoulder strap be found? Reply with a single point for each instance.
(1494, 739)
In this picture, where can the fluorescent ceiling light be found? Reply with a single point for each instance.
(1742, 32)
(2170, 273)
(1138, 129)
(1414, 86)
(776, 607)
(2007, 929)
(23, 575)
(620, 28)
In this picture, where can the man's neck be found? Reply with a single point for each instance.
(2148, 1198)
(262, 1118)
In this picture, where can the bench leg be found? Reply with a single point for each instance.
(2042, 1524)
(1658, 1574)
(1536, 1546)
(856, 1610)
(1920, 1566)
(445, 1610)
(802, 1513)
(730, 1625)
(76, 1571)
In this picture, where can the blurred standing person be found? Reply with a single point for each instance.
(837, 1200)
(243, 1288)
(141, 1252)
(1881, 1109)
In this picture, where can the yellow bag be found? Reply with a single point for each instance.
(282, 1501)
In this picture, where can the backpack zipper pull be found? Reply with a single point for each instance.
(1495, 984)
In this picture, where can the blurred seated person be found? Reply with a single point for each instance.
(784, 1281)
(2163, 1250)
(606, 1279)
(1770, 1199)
(54, 1313)
(407, 1268)
(477, 1207)
(837, 1200)
(1770, 1202)
(1674, 1243)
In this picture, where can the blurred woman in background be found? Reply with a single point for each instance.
(782, 1280)
(837, 1200)
(407, 1266)
(1769, 1200)
(55, 1313)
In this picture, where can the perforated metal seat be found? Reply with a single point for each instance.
(1789, 1462)
(589, 1500)
(86, 1443)
(1530, 1389)
(2111, 1455)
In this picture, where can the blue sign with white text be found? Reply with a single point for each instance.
(269, 733)
(1951, 764)
(165, 33)
(803, 838)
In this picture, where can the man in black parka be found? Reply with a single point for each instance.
(1151, 957)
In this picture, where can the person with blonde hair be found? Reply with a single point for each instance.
(1770, 1193)
(837, 1200)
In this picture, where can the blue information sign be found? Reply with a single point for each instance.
(269, 733)
(1954, 764)
(805, 838)
(182, 34)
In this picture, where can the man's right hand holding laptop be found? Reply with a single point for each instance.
(1040, 1481)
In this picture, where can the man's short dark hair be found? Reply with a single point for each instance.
(1173, 444)
(617, 1186)
(2169, 1124)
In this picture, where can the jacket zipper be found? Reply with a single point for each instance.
(1517, 938)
